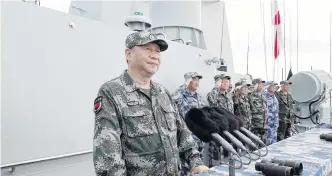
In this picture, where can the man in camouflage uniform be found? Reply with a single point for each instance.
(186, 97)
(219, 96)
(286, 119)
(254, 85)
(242, 104)
(236, 94)
(273, 113)
(138, 130)
(258, 109)
(230, 89)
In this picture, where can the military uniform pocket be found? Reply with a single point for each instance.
(138, 122)
(170, 117)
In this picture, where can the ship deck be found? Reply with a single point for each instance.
(314, 153)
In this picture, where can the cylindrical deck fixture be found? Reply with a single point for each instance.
(179, 20)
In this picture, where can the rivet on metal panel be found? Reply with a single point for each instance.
(71, 24)
(200, 54)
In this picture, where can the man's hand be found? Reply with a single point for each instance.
(199, 169)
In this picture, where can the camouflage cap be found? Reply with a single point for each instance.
(270, 83)
(221, 76)
(238, 84)
(145, 37)
(285, 82)
(257, 80)
(190, 75)
(242, 84)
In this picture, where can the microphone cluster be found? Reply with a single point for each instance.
(226, 130)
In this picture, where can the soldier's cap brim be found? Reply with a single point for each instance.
(258, 82)
(285, 83)
(274, 84)
(163, 45)
(226, 77)
(198, 76)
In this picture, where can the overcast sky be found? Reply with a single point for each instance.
(244, 16)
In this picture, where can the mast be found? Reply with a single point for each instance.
(291, 42)
(285, 66)
(330, 53)
(248, 55)
(222, 30)
(264, 38)
(297, 35)
(330, 42)
(272, 36)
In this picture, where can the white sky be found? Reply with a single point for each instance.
(245, 15)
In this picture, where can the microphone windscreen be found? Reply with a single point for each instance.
(240, 120)
(215, 116)
(200, 118)
(203, 134)
(233, 124)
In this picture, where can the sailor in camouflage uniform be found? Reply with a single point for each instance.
(138, 130)
(242, 104)
(186, 97)
(219, 96)
(258, 109)
(273, 113)
(286, 102)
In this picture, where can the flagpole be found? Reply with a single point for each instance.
(330, 42)
(291, 42)
(273, 63)
(248, 55)
(297, 35)
(285, 38)
(222, 30)
(330, 53)
(264, 38)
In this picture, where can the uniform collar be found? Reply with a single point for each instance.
(130, 86)
(282, 92)
(187, 92)
(222, 93)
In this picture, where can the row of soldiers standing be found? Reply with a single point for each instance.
(267, 112)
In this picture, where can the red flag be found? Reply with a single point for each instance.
(278, 43)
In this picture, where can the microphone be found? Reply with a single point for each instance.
(223, 127)
(237, 123)
(248, 133)
(234, 125)
(205, 129)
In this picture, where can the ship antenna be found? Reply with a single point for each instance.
(264, 38)
(222, 30)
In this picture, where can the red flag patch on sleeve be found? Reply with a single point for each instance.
(97, 105)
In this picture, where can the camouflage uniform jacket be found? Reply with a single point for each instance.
(258, 107)
(224, 100)
(139, 134)
(285, 106)
(185, 101)
(243, 108)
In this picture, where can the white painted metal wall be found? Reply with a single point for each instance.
(50, 76)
